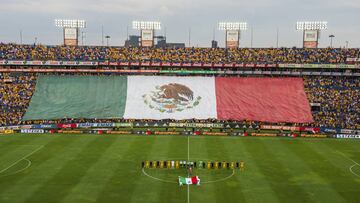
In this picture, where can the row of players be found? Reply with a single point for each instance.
(193, 164)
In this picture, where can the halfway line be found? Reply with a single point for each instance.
(188, 187)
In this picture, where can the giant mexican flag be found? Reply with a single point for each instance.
(166, 97)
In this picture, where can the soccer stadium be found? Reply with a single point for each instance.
(152, 121)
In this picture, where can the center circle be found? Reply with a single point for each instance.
(206, 175)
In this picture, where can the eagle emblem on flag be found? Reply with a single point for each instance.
(170, 98)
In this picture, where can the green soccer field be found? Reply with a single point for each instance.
(107, 168)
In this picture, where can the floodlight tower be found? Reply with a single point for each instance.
(147, 30)
(71, 30)
(232, 35)
(311, 32)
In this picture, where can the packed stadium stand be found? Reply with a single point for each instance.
(203, 55)
(334, 99)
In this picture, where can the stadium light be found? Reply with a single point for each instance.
(65, 23)
(311, 32)
(232, 26)
(71, 30)
(311, 25)
(232, 32)
(147, 31)
(146, 25)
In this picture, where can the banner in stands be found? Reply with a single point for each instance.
(14, 127)
(310, 129)
(130, 124)
(348, 136)
(161, 64)
(71, 131)
(166, 133)
(32, 131)
(352, 59)
(149, 124)
(47, 126)
(314, 135)
(27, 127)
(197, 125)
(165, 97)
(329, 130)
(276, 127)
(263, 134)
(319, 66)
(72, 125)
(339, 130)
(6, 131)
(118, 132)
(94, 125)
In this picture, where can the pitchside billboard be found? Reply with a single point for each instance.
(70, 36)
(147, 38)
(311, 38)
(232, 38)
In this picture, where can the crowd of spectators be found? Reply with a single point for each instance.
(339, 100)
(176, 55)
(15, 94)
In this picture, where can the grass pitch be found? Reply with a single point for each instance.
(106, 168)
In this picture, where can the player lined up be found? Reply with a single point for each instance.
(190, 165)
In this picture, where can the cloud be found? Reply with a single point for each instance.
(36, 17)
(123, 7)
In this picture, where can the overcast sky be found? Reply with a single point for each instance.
(36, 19)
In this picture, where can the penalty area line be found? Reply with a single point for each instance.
(350, 168)
(31, 153)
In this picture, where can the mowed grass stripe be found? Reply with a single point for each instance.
(199, 149)
(127, 174)
(31, 144)
(95, 178)
(12, 155)
(251, 181)
(73, 171)
(45, 164)
(176, 148)
(348, 147)
(16, 147)
(321, 165)
(339, 168)
(151, 189)
(223, 189)
(315, 185)
(273, 169)
(275, 172)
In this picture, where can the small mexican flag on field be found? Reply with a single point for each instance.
(195, 180)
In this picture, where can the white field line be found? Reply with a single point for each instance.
(350, 168)
(169, 181)
(18, 171)
(353, 171)
(31, 153)
(159, 179)
(223, 179)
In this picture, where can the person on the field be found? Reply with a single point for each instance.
(242, 165)
(190, 170)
